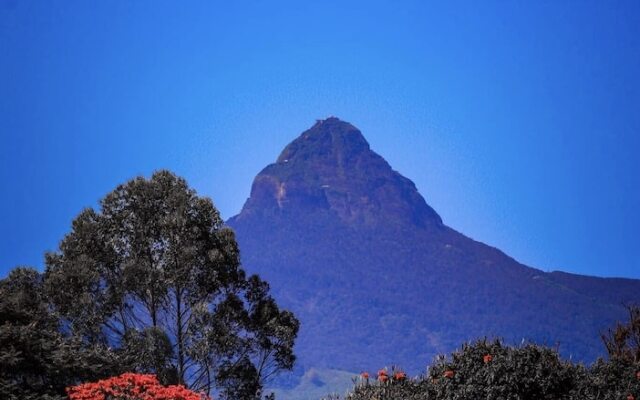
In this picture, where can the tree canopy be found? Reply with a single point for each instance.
(153, 280)
(37, 361)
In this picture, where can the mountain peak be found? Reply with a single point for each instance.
(351, 247)
(331, 168)
(326, 136)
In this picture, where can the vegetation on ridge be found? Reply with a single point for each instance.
(491, 370)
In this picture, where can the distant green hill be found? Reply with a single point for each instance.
(317, 383)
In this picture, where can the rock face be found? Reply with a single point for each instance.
(376, 278)
(331, 168)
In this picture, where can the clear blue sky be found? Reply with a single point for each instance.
(518, 121)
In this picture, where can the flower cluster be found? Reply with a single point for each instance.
(383, 376)
(132, 387)
(399, 376)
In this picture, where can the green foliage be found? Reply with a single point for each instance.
(157, 275)
(36, 360)
(150, 349)
(149, 283)
(491, 370)
(528, 372)
(612, 379)
(28, 338)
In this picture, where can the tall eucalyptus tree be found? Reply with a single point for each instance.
(155, 273)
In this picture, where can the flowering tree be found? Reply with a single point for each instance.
(131, 386)
(156, 274)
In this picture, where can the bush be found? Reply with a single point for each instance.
(613, 379)
(132, 387)
(490, 370)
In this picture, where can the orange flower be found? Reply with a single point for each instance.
(365, 375)
(487, 358)
(399, 376)
(449, 374)
(131, 386)
(382, 375)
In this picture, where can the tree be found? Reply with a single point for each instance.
(157, 275)
(28, 338)
(36, 360)
(623, 341)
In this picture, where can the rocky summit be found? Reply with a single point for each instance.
(330, 168)
(376, 277)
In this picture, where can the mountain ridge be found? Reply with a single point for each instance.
(377, 278)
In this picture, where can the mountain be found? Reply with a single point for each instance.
(376, 277)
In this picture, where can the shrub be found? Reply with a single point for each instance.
(132, 387)
(489, 370)
(613, 379)
(492, 371)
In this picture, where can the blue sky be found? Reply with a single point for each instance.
(518, 121)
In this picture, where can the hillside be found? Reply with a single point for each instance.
(377, 278)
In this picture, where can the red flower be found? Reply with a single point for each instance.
(132, 386)
(487, 358)
(638, 375)
(365, 375)
(383, 378)
(630, 397)
(382, 372)
(449, 374)
(399, 376)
